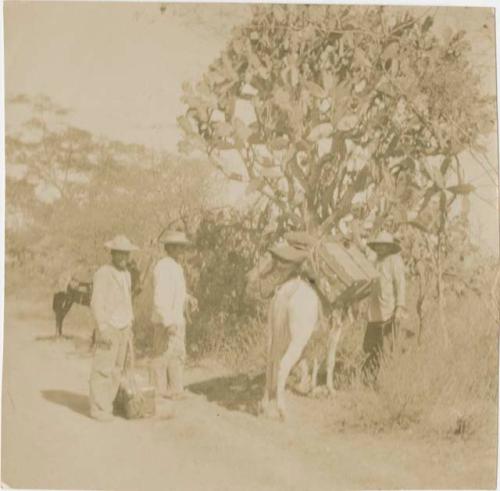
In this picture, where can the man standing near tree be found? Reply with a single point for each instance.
(111, 305)
(169, 323)
(386, 303)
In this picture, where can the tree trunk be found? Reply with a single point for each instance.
(420, 308)
(441, 300)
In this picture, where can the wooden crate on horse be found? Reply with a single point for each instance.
(341, 273)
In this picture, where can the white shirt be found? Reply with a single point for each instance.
(389, 289)
(169, 293)
(111, 301)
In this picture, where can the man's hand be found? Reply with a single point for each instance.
(192, 304)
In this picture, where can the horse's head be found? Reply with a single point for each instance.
(269, 272)
(262, 268)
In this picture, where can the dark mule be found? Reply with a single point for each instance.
(77, 292)
(80, 292)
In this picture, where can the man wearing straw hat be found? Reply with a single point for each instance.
(111, 305)
(387, 301)
(169, 324)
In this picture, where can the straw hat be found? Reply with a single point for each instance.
(120, 243)
(175, 237)
(387, 239)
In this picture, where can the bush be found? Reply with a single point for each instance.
(227, 322)
(446, 391)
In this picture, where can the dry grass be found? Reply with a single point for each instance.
(442, 390)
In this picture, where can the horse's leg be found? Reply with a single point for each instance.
(58, 303)
(264, 403)
(333, 340)
(314, 376)
(93, 339)
(66, 309)
(303, 316)
(299, 338)
(290, 358)
(62, 315)
(270, 365)
(303, 386)
(59, 321)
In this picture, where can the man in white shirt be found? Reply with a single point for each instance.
(111, 306)
(387, 301)
(169, 324)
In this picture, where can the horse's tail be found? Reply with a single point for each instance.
(279, 333)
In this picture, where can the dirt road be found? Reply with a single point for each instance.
(212, 443)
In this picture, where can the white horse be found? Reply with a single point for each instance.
(294, 313)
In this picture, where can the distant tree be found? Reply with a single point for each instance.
(55, 154)
(94, 188)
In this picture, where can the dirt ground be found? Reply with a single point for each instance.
(214, 442)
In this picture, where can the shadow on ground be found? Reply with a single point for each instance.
(82, 344)
(79, 403)
(51, 337)
(236, 393)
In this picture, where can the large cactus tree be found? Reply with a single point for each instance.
(339, 114)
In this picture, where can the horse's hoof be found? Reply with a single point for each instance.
(262, 407)
(269, 413)
(282, 414)
(319, 392)
(302, 389)
(331, 391)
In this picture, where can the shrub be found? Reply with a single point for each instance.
(449, 391)
(227, 321)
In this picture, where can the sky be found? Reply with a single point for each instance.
(119, 67)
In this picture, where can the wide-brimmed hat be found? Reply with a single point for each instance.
(288, 253)
(385, 238)
(175, 237)
(120, 243)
